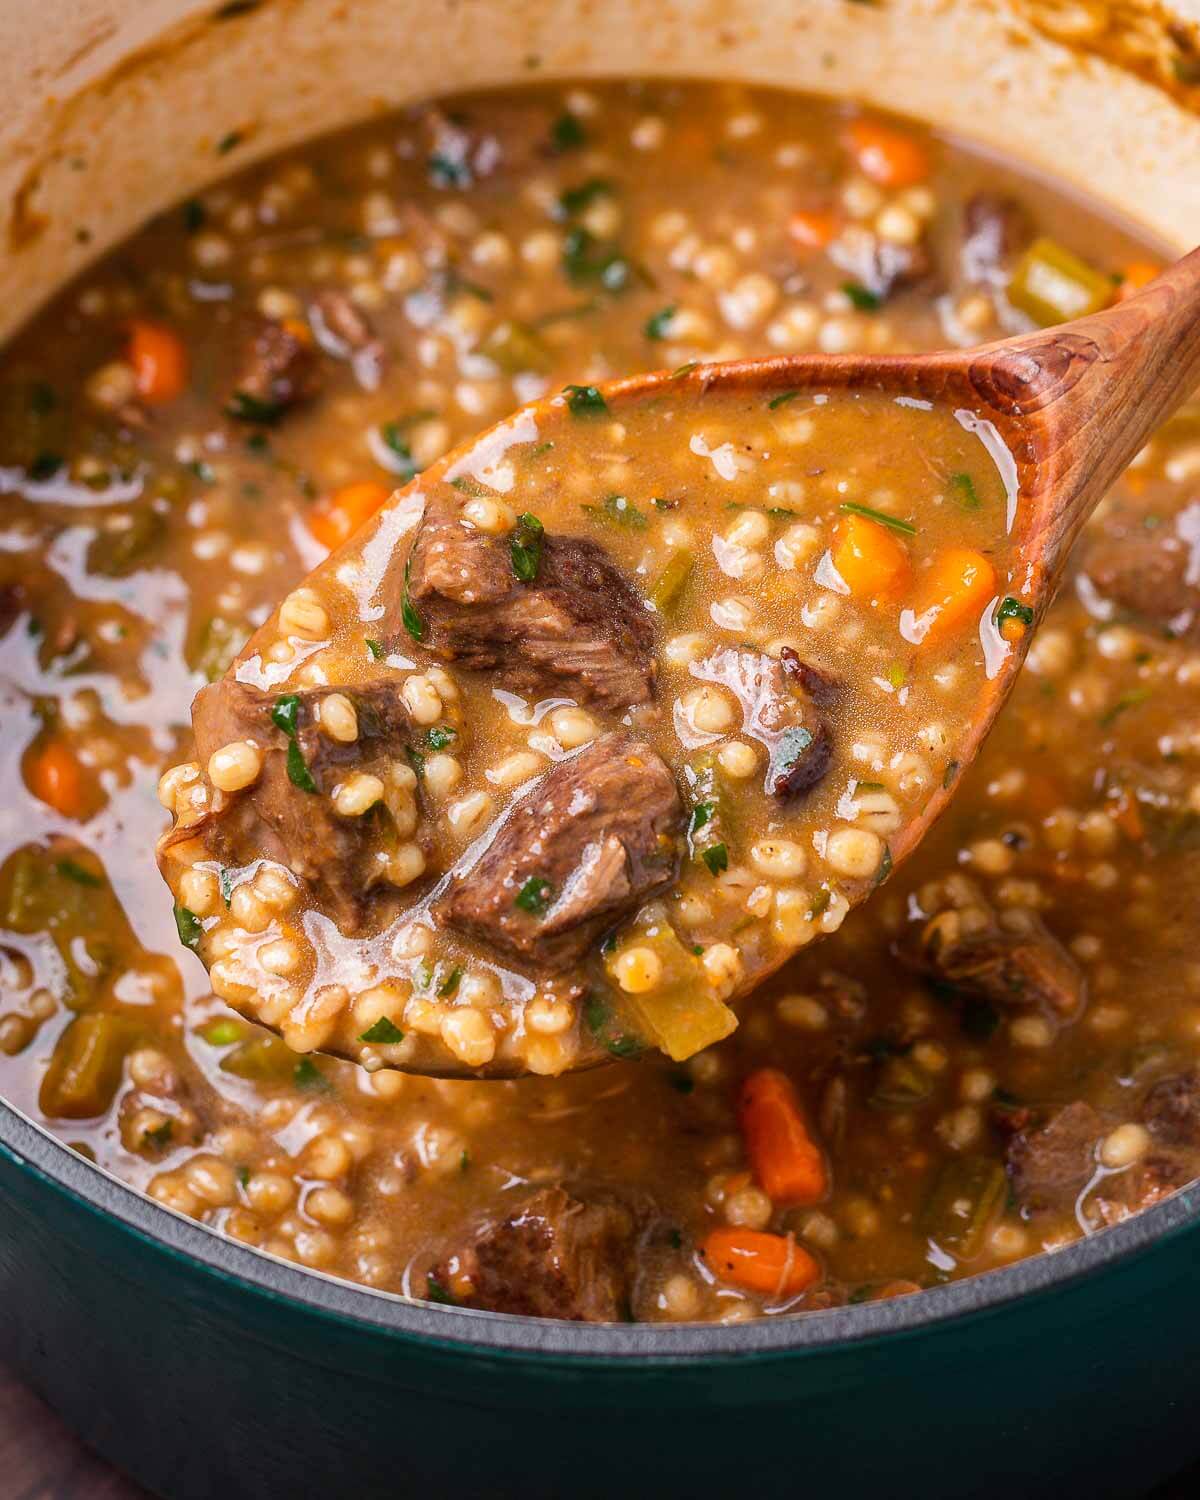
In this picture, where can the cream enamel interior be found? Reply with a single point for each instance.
(115, 107)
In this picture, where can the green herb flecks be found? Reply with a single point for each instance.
(576, 199)
(230, 142)
(526, 547)
(881, 517)
(534, 896)
(585, 401)
(1013, 609)
(375, 649)
(965, 492)
(447, 171)
(1123, 704)
(885, 866)
(600, 1022)
(297, 768)
(244, 406)
(394, 453)
(285, 714)
(567, 134)
(862, 297)
(306, 1075)
(383, 1033)
(440, 736)
(72, 870)
(701, 814)
(587, 261)
(716, 857)
(781, 400)
(436, 1292)
(658, 325)
(416, 760)
(450, 984)
(615, 510)
(187, 925)
(160, 1136)
(413, 622)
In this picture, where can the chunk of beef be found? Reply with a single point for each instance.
(820, 685)
(1051, 1164)
(594, 838)
(1146, 1183)
(1152, 574)
(994, 230)
(279, 372)
(779, 700)
(578, 629)
(1013, 964)
(555, 1257)
(344, 859)
(345, 332)
(881, 266)
(1171, 1109)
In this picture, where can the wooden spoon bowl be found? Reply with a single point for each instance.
(1062, 412)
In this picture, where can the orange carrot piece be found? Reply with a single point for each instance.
(811, 229)
(53, 776)
(786, 1159)
(769, 1263)
(1127, 815)
(159, 360)
(889, 157)
(870, 560)
(1136, 275)
(953, 593)
(335, 518)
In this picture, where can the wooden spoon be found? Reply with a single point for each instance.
(1071, 405)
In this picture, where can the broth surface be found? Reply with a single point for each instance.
(996, 1055)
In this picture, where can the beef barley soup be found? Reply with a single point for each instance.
(997, 1054)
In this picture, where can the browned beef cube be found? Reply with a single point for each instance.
(1051, 1164)
(554, 1257)
(597, 836)
(578, 629)
(279, 372)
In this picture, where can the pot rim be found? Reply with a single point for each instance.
(34, 1150)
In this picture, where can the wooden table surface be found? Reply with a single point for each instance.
(41, 1460)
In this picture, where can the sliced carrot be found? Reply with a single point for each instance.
(1013, 630)
(889, 157)
(159, 360)
(53, 776)
(786, 1159)
(335, 518)
(953, 593)
(1136, 275)
(813, 230)
(770, 1263)
(869, 559)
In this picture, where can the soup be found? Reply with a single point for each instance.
(996, 1055)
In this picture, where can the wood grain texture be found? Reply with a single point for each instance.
(40, 1459)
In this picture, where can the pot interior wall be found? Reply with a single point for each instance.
(121, 108)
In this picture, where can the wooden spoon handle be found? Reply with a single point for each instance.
(1084, 398)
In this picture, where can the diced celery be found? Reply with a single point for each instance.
(681, 1014)
(85, 1067)
(516, 347)
(1053, 285)
(263, 1059)
(966, 1196)
(667, 588)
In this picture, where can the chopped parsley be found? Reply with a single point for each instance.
(285, 714)
(1013, 609)
(413, 622)
(376, 649)
(436, 1292)
(701, 814)
(448, 172)
(585, 401)
(617, 511)
(526, 547)
(468, 486)
(1125, 702)
(440, 736)
(450, 983)
(416, 760)
(243, 406)
(576, 199)
(599, 1020)
(384, 1033)
(161, 1134)
(187, 924)
(534, 896)
(881, 517)
(226, 881)
(716, 857)
(862, 297)
(76, 872)
(781, 400)
(396, 455)
(820, 902)
(658, 325)
(229, 142)
(297, 769)
(964, 488)
(586, 261)
(885, 866)
(567, 134)
(306, 1075)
